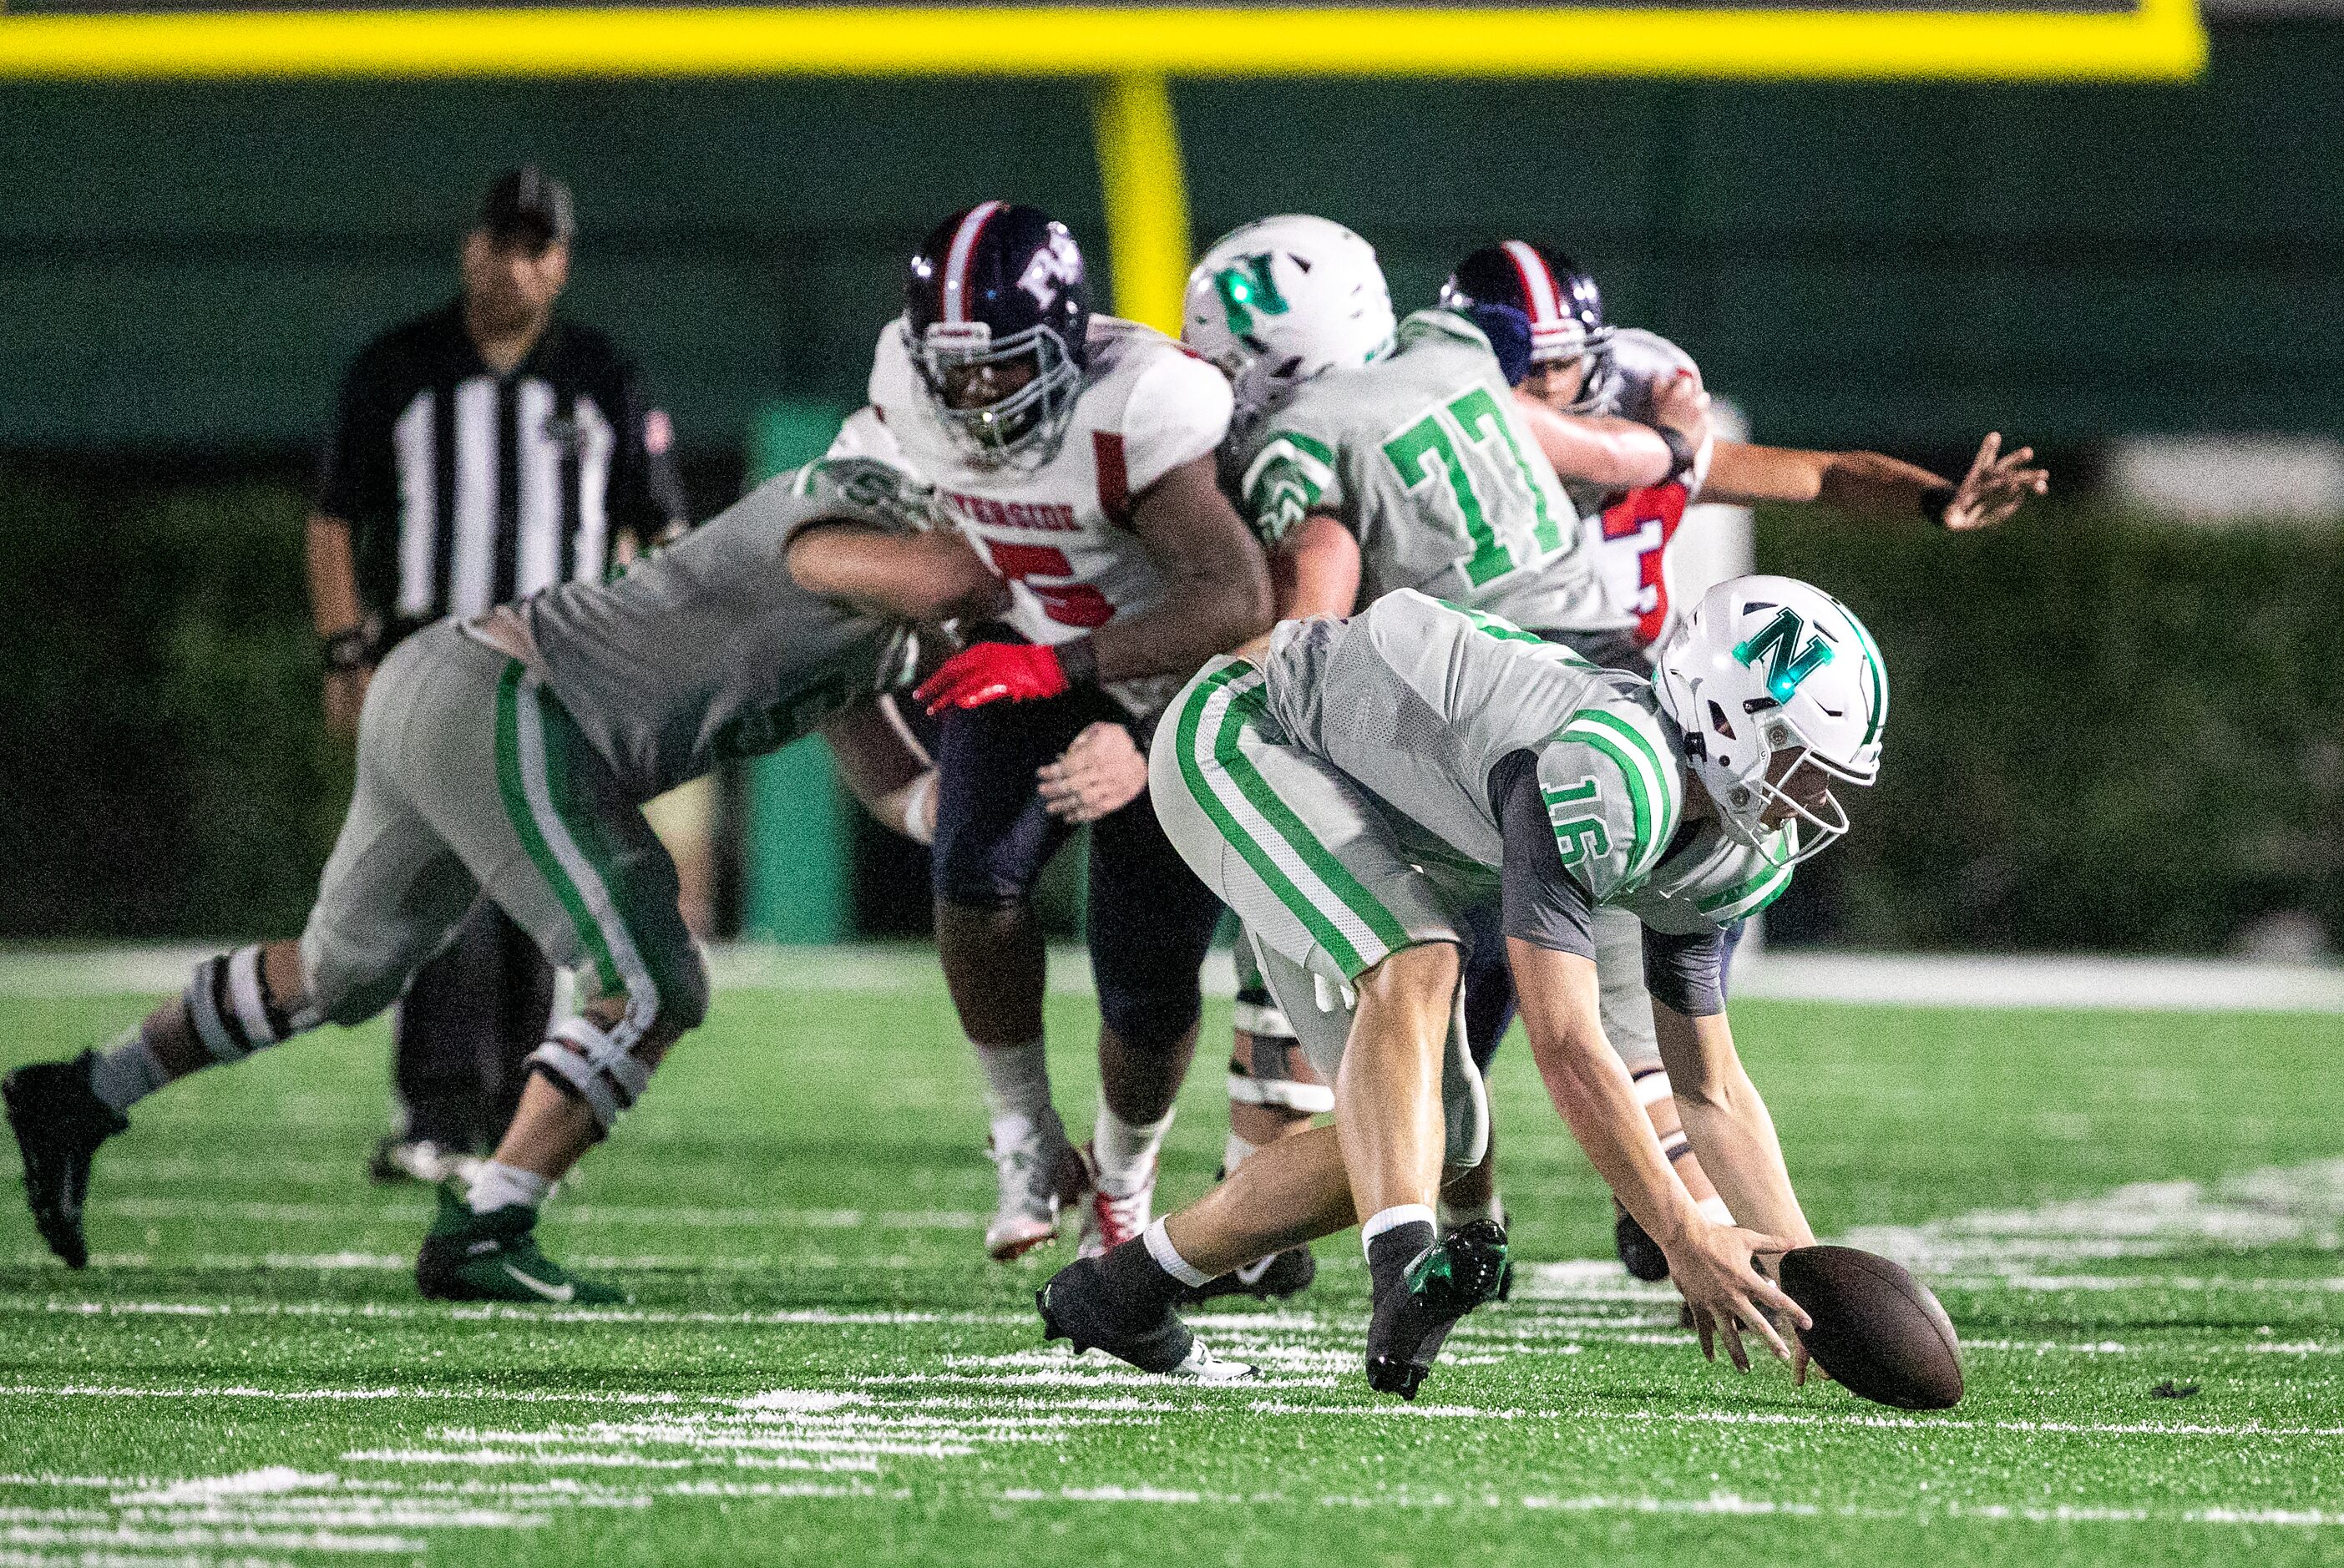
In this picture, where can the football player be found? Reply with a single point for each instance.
(1350, 787)
(1544, 316)
(509, 755)
(1075, 451)
(1371, 455)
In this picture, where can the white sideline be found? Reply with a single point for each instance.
(1935, 980)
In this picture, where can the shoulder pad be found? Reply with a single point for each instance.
(1611, 766)
(1420, 325)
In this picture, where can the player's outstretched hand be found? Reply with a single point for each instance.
(1102, 771)
(993, 673)
(1680, 403)
(1716, 1268)
(1997, 485)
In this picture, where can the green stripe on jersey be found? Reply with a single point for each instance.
(1739, 902)
(1653, 785)
(515, 796)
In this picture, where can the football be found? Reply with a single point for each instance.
(1877, 1330)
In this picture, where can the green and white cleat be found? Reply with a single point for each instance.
(493, 1257)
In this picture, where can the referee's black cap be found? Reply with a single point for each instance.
(529, 205)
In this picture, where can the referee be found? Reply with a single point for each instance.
(481, 453)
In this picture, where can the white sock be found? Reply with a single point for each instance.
(1016, 1090)
(127, 1071)
(1492, 1209)
(1383, 1220)
(503, 1185)
(1167, 1257)
(1233, 1153)
(1123, 1153)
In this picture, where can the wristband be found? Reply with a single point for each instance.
(349, 649)
(1682, 453)
(1079, 661)
(1935, 500)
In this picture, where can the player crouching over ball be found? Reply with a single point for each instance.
(1350, 788)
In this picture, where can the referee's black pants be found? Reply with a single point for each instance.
(468, 1021)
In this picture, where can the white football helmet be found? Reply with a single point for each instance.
(1769, 677)
(1281, 299)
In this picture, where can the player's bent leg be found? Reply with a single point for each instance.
(993, 838)
(1150, 924)
(563, 850)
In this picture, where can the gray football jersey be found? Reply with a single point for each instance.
(1423, 455)
(1418, 701)
(709, 650)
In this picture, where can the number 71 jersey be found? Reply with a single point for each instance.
(1422, 455)
(1059, 533)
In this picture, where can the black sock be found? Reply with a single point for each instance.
(1138, 1287)
(1391, 1254)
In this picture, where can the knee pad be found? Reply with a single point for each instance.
(593, 1065)
(1270, 1079)
(227, 1001)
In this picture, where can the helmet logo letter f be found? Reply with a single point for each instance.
(1787, 663)
(1245, 289)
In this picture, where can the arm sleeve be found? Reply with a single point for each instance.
(1686, 973)
(1293, 473)
(354, 471)
(646, 493)
(843, 490)
(1539, 901)
(1178, 411)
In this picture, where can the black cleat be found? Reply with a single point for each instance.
(58, 1122)
(1074, 1308)
(1638, 1250)
(1414, 1314)
(1270, 1278)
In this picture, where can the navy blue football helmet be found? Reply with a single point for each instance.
(1537, 307)
(997, 305)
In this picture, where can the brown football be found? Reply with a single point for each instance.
(1877, 1330)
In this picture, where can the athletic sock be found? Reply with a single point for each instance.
(127, 1071)
(1123, 1153)
(1016, 1090)
(1395, 1238)
(1235, 1153)
(1455, 1215)
(501, 1186)
(1144, 1278)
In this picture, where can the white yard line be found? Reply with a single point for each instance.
(1935, 980)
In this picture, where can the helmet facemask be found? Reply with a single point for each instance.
(1571, 340)
(1018, 429)
(1791, 812)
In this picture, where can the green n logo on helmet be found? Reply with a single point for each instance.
(1247, 289)
(1787, 663)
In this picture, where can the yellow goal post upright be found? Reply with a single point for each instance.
(1133, 53)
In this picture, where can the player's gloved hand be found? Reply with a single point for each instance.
(1102, 771)
(1715, 1266)
(994, 672)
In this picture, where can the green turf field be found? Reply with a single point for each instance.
(820, 1366)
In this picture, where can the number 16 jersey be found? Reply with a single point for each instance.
(1422, 455)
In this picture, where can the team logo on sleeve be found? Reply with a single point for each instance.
(1787, 663)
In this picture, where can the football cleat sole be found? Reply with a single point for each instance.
(1413, 1318)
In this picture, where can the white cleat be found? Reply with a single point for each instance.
(1110, 1221)
(1040, 1175)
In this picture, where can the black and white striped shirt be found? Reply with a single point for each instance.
(464, 489)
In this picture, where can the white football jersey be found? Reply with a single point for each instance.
(1627, 533)
(1060, 535)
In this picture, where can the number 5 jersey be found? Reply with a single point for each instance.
(1058, 531)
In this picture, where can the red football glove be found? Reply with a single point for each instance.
(993, 673)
